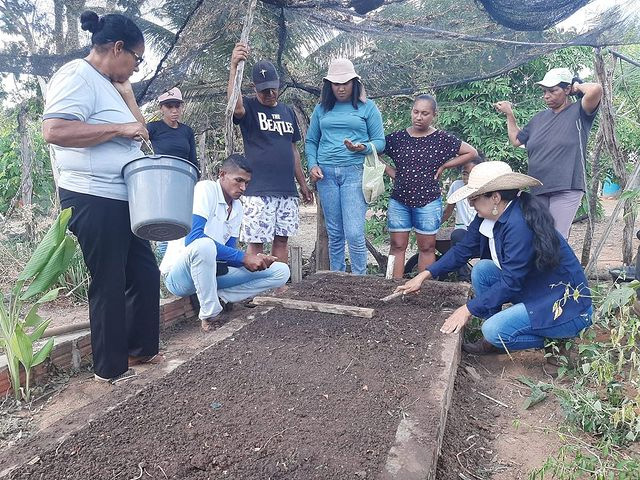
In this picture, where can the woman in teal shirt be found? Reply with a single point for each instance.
(343, 127)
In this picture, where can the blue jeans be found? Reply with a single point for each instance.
(511, 328)
(425, 219)
(344, 209)
(195, 272)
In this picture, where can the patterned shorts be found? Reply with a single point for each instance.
(266, 217)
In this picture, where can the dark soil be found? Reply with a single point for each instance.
(467, 446)
(296, 395)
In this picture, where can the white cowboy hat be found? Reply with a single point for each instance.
(491, 177)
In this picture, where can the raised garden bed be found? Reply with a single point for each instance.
(70, 348)
(296, 395)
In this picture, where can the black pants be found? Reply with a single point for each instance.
(124, 294)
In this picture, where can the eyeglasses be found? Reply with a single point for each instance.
(139, 58)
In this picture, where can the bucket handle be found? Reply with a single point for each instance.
(147, 144)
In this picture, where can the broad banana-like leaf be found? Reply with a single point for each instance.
(57, 264)
(24, 350)
(37, 333)
(49, 296)
(6, 324)
(47, 246)
(33, 319)
(43, 353)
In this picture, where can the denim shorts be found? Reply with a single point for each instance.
(425, 220)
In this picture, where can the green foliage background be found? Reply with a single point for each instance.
(10, 163)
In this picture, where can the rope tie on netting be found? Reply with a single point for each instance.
(237, 82)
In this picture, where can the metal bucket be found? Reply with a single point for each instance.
(160, 189)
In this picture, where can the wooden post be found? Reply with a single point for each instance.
(295, 259)
(26, 177)
(390, 263)
(608, 124)
(244, 38)
(630, 184)
(322, 239)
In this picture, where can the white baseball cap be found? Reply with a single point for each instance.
(173, 95)
(556, 76)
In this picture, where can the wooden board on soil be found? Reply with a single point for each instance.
(295, 394)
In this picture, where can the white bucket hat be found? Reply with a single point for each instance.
(341, 70)
(491, 177)
(555, 76)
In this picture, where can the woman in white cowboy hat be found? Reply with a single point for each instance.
(556, 142)
(342, 129)
(524, 261)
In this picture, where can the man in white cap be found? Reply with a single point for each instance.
(556, 142)
(269, 132)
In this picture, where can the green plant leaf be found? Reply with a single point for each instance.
(618, 297)
(24, 350)
(49, 296)
(57, 264)
(32, 318)
(47, 246)
(37, 333)
(536, 397)
(43, 353)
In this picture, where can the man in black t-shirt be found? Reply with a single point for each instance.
(269, 133)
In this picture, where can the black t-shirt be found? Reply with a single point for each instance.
(268, 134)
(179, 142)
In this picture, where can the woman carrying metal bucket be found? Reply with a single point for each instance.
(95, 126)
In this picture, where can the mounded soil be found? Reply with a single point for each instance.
(295, 395)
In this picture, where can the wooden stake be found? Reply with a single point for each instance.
(390, 263)
(295, 259)
(228, 114)
(316, 306)
(392, 296)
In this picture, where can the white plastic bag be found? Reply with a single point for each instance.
(372, 176)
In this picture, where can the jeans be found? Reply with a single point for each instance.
(510, 329)
(344, 209)
(195, 272)
(425, 219)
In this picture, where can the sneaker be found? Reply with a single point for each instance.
(145, 360)
(481, 347)
(128, 375)
(226, 306)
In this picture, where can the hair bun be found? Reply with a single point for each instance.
(90, 21)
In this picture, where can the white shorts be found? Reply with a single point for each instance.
(266, 217)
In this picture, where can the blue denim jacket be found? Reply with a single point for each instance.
(521, 281)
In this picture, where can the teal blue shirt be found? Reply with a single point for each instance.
(328, 130)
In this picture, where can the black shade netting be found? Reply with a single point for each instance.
(531, 14)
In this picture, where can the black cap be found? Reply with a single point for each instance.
(265, 76)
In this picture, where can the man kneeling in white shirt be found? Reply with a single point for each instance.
(189, 265)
